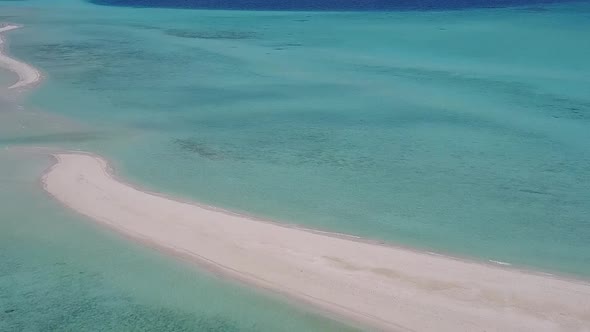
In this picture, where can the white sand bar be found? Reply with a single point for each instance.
(382, 287)
(27, 75)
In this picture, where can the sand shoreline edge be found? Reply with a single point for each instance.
(28, 75)
(217, 270)
(273, 256)
(53, 152)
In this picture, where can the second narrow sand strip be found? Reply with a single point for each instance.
(382, 287)
(27, 75)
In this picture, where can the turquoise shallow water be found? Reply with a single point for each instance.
(60, 272)
(459, 131)
(462, 131)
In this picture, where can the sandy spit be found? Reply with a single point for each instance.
(27, 75)
(380, 287)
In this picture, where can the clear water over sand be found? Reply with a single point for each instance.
(61, 272)
(463, 131)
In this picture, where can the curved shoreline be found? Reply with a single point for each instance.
(383, 287)
(27, 74)
(387, 288)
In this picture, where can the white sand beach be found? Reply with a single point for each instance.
(27, 75)
(381, 287)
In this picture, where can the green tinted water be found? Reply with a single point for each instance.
(60, 272)
(464, 132)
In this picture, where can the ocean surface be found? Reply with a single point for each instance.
(451, 129)
(326, 5)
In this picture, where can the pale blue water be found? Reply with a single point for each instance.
(458, 131)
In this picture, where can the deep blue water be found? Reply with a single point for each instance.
(336, 5)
